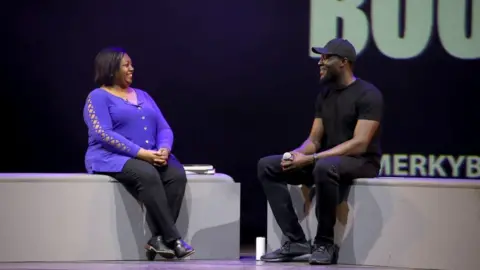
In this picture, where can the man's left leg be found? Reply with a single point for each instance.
(329, 173)
(275, 185)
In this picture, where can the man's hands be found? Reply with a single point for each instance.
(157, 158)
(298, 161)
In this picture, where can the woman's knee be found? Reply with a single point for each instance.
(141, 172)
(175, 172)
(180, 177)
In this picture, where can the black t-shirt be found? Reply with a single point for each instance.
(340, 109)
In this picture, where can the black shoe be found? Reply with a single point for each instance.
(181, 249)
(156, 246)
(290, 251)
(324, 253)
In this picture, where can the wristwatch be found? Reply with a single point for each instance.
(315, 157)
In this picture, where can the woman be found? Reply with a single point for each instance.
(130, 140)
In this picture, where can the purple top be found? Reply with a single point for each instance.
(117, 129)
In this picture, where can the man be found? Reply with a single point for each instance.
(344, 144)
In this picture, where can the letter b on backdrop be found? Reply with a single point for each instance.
(458, 25)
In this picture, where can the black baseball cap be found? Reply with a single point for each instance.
(338, 46)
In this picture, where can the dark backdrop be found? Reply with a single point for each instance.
(233, 78)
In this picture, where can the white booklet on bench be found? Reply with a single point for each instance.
(199, 169)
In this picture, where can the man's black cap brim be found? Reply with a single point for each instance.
(319, 50)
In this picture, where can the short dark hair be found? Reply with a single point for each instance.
(107, 63)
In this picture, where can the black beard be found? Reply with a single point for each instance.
(330, 79)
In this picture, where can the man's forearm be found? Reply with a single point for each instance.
(350, 147)
(308, 147)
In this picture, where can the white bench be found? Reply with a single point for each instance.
(82, 217)
(401, 222)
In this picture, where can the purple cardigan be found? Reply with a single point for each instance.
(118, 129)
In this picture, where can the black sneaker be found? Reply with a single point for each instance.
(290, 251)
(182, 249)
(324, 253)
(156, 246)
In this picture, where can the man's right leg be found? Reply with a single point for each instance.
(275, 185)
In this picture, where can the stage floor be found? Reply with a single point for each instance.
(244, 264)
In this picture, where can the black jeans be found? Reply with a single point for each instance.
(160, 189)
(327, 174)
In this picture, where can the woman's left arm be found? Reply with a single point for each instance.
(164, 132)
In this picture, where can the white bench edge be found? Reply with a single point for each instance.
(419, 182)
(96, 178)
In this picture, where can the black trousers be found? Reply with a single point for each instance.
(160, 189)
(327, 174)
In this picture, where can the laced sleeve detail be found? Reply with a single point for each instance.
(99, 122)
